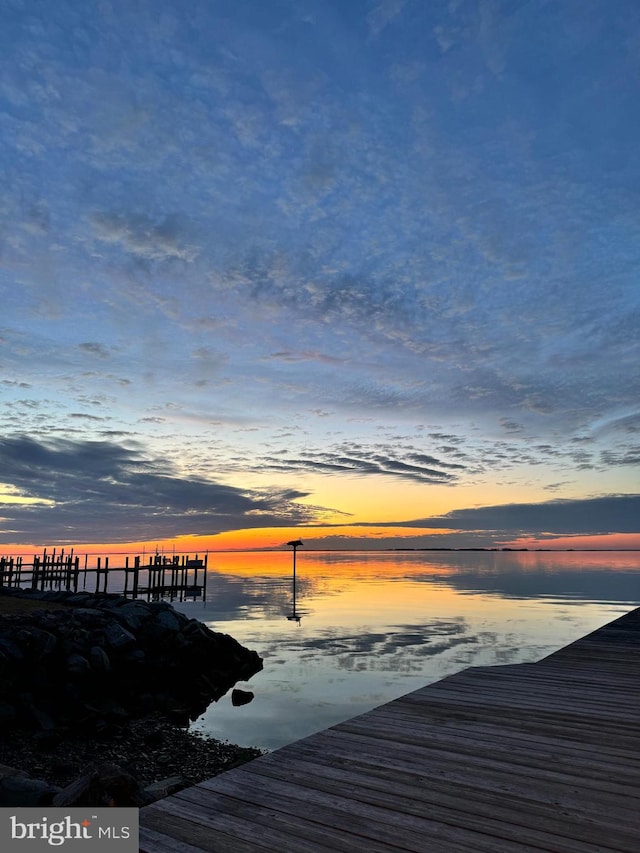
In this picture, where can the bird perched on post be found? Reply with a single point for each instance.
(295, 543)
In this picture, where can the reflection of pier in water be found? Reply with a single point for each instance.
(294, 616)
(154, 576)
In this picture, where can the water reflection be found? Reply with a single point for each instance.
(378, 625)
(294, 616)
(398, 650)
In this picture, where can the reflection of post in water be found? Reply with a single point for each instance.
(295, 616)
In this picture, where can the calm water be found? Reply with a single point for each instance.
(374, 626)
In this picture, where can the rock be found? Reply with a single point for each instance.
(99, 659)
(154, 738)
(107, 708)
(179, 716)
(164, 787)
(134, 656)
(41, 643)
(10, 650)
(40, 718)
(10, 771)
(168, 621)
(241, 697)
(134, 614)
(194, 629)
(117, 637)
(101, 784)
(22, 790)
(78, 665)
(84, 614)
(110, 659)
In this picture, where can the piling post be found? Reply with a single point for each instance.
(174, 577)
(295, 544)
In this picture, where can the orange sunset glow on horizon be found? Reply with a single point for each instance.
(343, 539)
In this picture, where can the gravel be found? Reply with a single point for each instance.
(150, 750)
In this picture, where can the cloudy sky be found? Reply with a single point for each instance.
(363, 272)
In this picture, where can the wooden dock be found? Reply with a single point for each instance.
(502, 759)
(178, 576)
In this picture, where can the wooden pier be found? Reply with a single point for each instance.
(153, 576)
(501, 759)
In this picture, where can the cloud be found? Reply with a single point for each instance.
(382, 14)
(102, 491)
(304, 355)
(151, 240)
(412, 455)
(82, 416)
(626, 456)
(417, 212)
(587, 516)
(99, 350)
(360, 460)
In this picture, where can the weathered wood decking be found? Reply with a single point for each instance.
(528, 757)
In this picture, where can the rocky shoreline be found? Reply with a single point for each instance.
(146, 759)
(95, 697)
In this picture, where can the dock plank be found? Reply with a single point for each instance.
(540, 824)
(469, 790)
(357, 825)
(508, 759)
(507, 741)
(468, 796)
(505, 752)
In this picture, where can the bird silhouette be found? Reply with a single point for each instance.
(295, 543)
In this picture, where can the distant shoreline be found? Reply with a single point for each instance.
(309, 550)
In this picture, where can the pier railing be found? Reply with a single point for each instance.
(152, 575)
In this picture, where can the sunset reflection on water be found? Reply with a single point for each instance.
(374, 626)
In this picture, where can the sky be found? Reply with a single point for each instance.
(364, 273)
